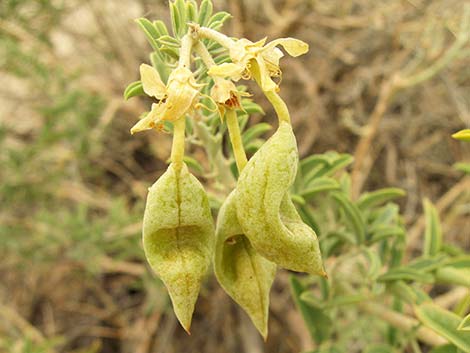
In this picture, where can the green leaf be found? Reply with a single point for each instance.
(175, 19)
(462, 135)
(428, 263)
(251, 107)
(217, 21)
(168, 41)
(444, 323)
(464, 324)
(433, 232)
(312, 162)
(205, 12)
(376, 198)
(160, 27)
(383, 232)
(191, 11)
(180, 7)
(338, 162)
(319, 185)
(462, 167)
(453, 275)
(306, 213)
(150, 31)
(134, 89)
(446, 348)
(254, 132)
(406, 274)
(193, 164)
(353, 215)
(298, 199)
(317, 321)
(379, 348)
(375, 263)
(408, 293)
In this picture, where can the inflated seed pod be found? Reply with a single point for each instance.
(244, 274)
(178, 237)
(265, 211)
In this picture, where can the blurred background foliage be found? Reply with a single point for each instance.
(73, 180)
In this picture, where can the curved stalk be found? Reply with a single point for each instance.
(236, 139)
(177, 148)
(276, 101)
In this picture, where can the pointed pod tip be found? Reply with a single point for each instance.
(187, 328)
(324, 274)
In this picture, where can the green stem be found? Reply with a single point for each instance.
(177, 148)
(236, 139)
(185, 51)
(278, 104)
(179, 125)
(204, 54)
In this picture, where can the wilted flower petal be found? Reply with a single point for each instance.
(181, 95)
(294, 47)
(149, 121)
(231, 70)
(244, 54)
(151, 82)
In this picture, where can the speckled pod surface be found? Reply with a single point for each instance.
(178, 237)
(265, 211)
(243, 273)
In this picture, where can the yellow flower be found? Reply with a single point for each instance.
(179, 96)
(462, 135)
(244, 54)
(226, 95)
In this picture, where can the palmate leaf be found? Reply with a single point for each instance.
(444, 323)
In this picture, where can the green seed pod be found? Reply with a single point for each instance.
(178, 237)
(245, 275)
(265, 211)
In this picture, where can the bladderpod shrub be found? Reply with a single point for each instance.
(258, 226)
